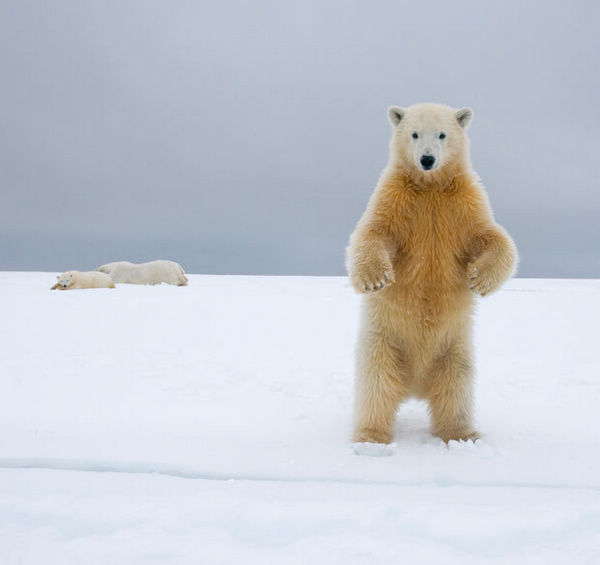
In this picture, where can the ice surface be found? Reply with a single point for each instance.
(211, 424)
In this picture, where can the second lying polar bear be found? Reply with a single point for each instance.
(153, 272)
(71, 280)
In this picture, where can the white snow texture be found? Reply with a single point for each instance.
(211, 424)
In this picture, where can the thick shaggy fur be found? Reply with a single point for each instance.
(153, 272)
(425, 245)
(71, 280)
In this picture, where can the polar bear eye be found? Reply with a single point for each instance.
(415, 135)
(442, 135)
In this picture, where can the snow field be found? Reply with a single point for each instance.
(211, 424)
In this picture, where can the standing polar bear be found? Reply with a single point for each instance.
(425, 245)
(153, 272)
(71, 280)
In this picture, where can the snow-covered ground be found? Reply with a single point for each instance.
(210, 425)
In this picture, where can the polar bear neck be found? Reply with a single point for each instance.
(445, 179)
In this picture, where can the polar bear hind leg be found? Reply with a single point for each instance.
(450, 393)
(380, 387)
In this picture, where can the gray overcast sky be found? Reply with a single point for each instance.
(246, 137)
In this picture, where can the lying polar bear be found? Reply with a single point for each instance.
(154, 272)
(71, 280)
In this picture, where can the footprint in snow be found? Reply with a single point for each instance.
(375, 449)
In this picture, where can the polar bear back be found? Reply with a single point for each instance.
(153, 272)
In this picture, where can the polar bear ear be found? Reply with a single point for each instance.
(464, 117)
(395, 114)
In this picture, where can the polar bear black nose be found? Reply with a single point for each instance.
(427, 162)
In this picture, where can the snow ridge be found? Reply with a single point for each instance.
(147, 468)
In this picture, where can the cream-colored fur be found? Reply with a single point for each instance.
(425, 245)
(153, 272)
(71, 280)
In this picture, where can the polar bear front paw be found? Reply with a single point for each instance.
(480, 280)
(373, 278)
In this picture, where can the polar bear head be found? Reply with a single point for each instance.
(429, 139)
(65, 280)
